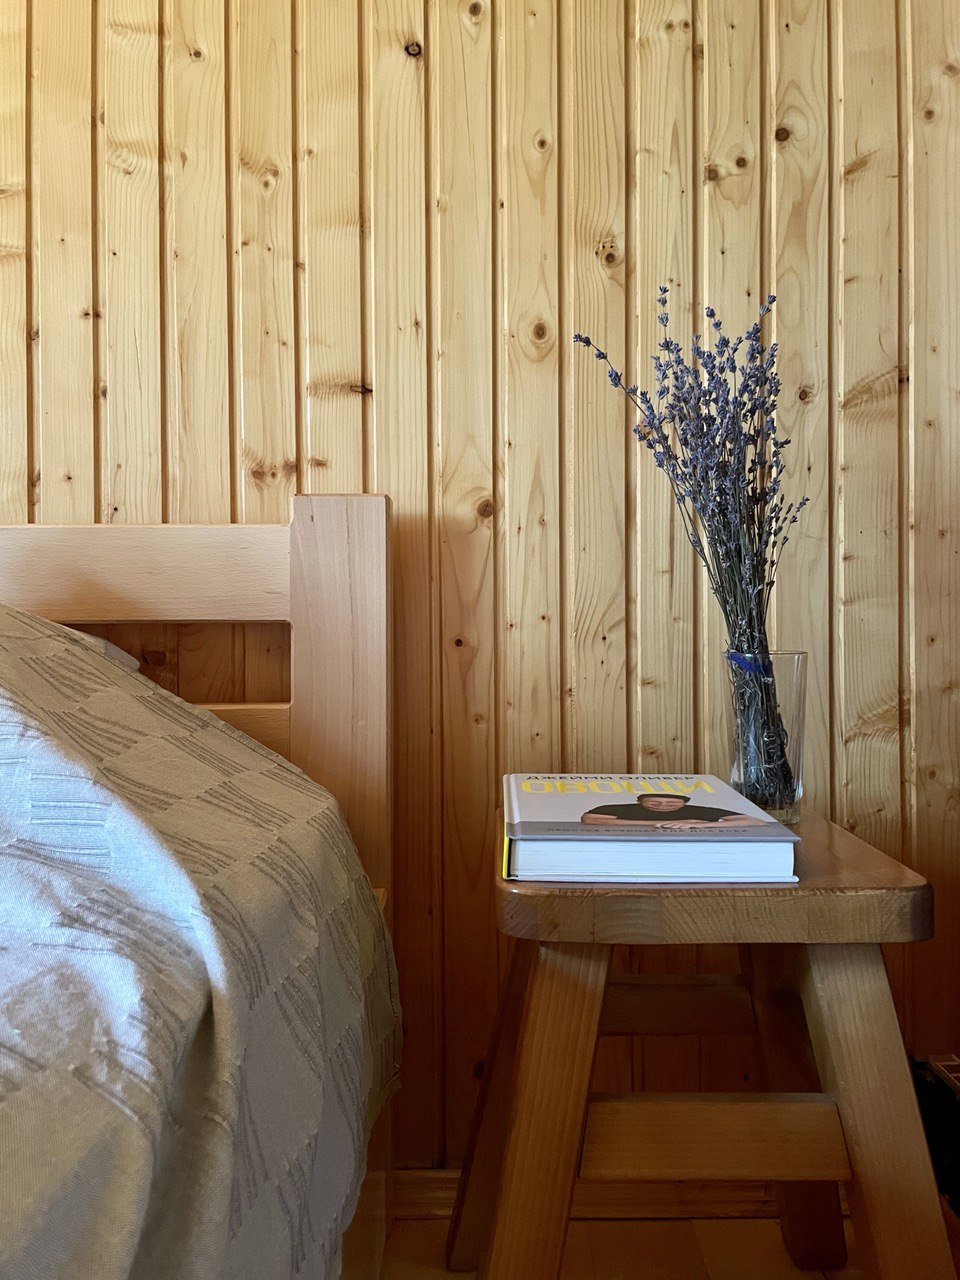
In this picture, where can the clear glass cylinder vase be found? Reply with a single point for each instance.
(767, 704)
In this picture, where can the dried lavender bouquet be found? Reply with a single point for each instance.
(711, 427)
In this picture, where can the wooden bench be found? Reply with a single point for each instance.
(816, 989)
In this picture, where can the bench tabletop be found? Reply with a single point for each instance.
(848, 892)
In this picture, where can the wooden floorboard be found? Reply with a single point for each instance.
(740, 1249)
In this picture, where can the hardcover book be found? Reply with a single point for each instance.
(634, 827)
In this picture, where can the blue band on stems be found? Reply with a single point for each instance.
(752, 666)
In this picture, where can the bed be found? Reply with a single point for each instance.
(287, 913)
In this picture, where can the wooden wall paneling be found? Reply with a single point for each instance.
(211, 662)
(129, 451)
(200, 299)
(155, 647)
(13, 262)
(735, 42)
(593, 212)
(933, 40)
(532, 586)
(530, 543)
(797, 140)
(870, 371)
(732, 231)
(461, 140)
(197, 299)
(667, 178)
(401, 464)
(531, 655)
(329, 327)
(867, 673)
(262, 112)
(130, 445)
(266, 662)
(422, 209)
(593, 475)
(63, 239)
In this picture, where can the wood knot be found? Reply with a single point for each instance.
(541, 142)
(485, 509)
(711, 173)
(475, 9)
(458, 642)
(608, 253)
(196, 55)
(929, 113)
(413, 49)
(741, 162)
(805, 393)
(540, 331)
(951, 69)
(782, 133)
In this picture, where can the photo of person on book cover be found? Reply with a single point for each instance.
(668, 811)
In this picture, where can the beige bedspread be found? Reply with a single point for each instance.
(198, 1008)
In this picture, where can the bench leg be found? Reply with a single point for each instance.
(476, 1199)
(811, 1215)
(539, 1161)
(860, 1056)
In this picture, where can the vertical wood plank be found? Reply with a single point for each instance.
(266, 662)
(529, 545)
(797, 142)
(200, 304)
(667, 169)
(934, 37)
(529, 257)
(594, 219)
(266, 463)
(871, 718)
(130, 446)
(731, 264)
(401, 464)
(63, 238)
(210, 662)
(13, 262)
(734, 80)
(329, 324)
(867, 552)
(196, 321)
(462, 358)
(593, 478)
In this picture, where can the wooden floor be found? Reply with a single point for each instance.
(726, 1249)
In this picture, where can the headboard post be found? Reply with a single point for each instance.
(341, 667)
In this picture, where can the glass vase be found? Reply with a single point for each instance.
(767, 696)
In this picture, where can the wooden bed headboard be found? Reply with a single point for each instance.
(327, 574)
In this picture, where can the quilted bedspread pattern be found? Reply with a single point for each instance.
(198, 1004)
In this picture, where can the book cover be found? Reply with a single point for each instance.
(635, 807)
